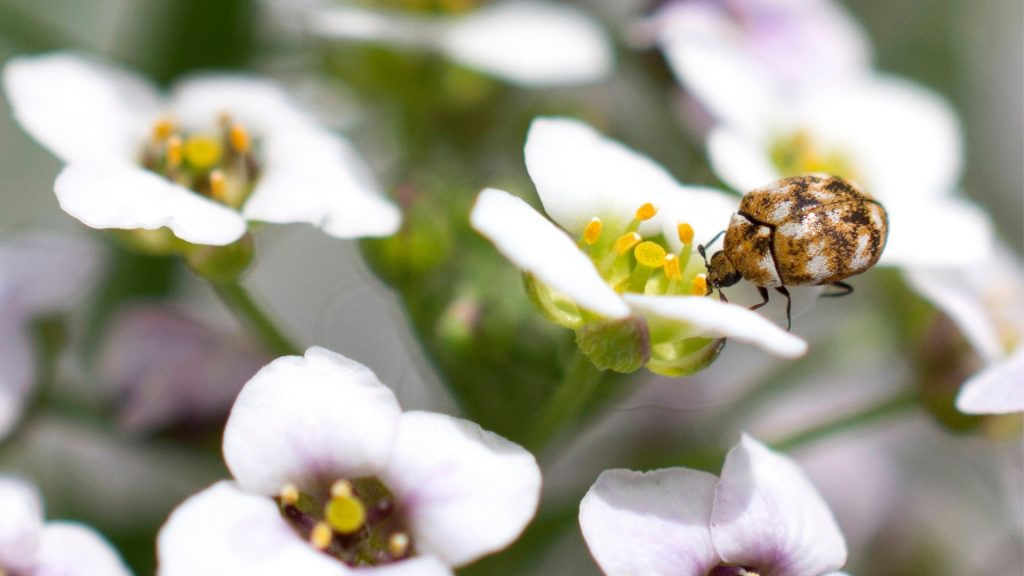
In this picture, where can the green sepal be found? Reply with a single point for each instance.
(685, 357)
(617, 345)
(222, 264)
(159, 242)
(555, 307)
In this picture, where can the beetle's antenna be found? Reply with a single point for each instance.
(712, 241)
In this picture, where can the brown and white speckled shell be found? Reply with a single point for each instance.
(807, 230)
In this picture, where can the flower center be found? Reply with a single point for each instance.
(628, 262)
(798, 154)
(726, 570)
(427, 6)
(222, 165)
(356, 522)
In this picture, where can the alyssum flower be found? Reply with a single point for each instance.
(30, 547)
(220, 151)
(631, 286)
(332, 478)
(762, 517)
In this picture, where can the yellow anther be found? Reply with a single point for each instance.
(685, 232)
(398, 544)
(345, 514)
(646, 212)
(238, 136)
(672, 270)
(218, 185)
(174, 151)
(626, 242)
(202, 152)
(592, 232)
(162, 129)
(650, 254)
(321, 536)
(341, 489)
(289, 495)
(699, 286)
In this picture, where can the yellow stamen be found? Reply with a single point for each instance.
(321, 536)
(699, 286)
(592, 232)
(685, 232)
(341, 489)
(398, 544)
(174, 151)
(646, 212)
(345, 514)
(162, 129)
(218, 185)
(202, 152)
(289, 495)
(626, 242)
(238, 136)
(672, 270)
(650, 254)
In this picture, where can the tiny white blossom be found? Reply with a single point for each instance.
(219, 151)
(30, 546)
(331, 477)
(762, 516)
(636, 257)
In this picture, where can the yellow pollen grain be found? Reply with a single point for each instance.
(699, 286)
(398, 544)
(685, 232)
(289, 495)
(218, 185)
(321, 536)
(592, 232)
(341, 489)
(646, 212)
(626, 242)
(345, 514)
(162, 129)
(202, 152)
(239, 139)
(650, 254)
(672, 270)
(174, 151)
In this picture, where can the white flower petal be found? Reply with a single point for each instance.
(535, 245)
(126, 197)
(309, 421)
(70, 549)
(711, 318)
(21, 524)
(707, 210)
(998, 389)
(17, 368)
(415, 566)
(347, 22)
(465, 491)
(651, 523)
(942, 232)
(81, 109)
(530, 43)
(740, 160)
(223, 530)
(317, 177)
(580, 174)
(43, 272)
(768, 514)
(261, 105)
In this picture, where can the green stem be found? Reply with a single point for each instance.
(892, 405)
(564, 407)
(241, 303)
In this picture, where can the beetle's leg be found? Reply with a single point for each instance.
(843, 286)
(789, 304)
(721, 296)
(764, 296)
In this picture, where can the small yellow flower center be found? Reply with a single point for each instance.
(650, 254)
(202, 152)
(798, 153)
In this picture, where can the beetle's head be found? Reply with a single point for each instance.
(721, 272)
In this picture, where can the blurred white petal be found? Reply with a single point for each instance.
(998, 389)
(741, 161)
(46, 272)
(21, 524)
(199, 102)
(706, 210)
(70, 549)
(942, 232)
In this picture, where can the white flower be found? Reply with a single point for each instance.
(762, 516)
(331, 474)
(525, 42)
(221, 150)
(39, 274)
(986, 300)
(30, 546)
(635, 257)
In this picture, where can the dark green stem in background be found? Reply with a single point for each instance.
(568, 401)
(242, 305)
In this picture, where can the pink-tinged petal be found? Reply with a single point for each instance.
(44, 272)
(464, 491)
(940, 232)
(17, 368)
(125, 197)
(70, 549)
(81, 109)
(997, 389)
(223, 530)
(535, 245)
(530, 43)
(21, 524)
(580, 174)
(317, 177)
(310, 421)
(651, 523)
(710, 318)
(262, 106)
(768, 515)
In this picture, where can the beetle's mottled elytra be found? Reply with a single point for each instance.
(803, 231)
